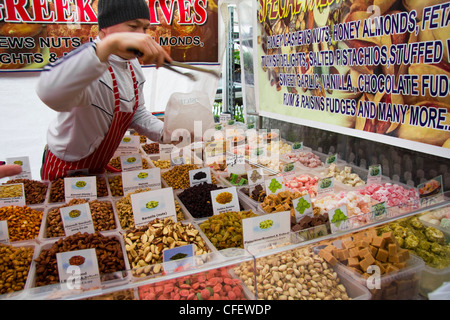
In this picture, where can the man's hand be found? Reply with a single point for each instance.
(126, 44)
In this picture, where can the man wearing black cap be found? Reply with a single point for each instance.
(97, 90)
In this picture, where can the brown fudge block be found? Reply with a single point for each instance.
(380, 265)
(328, 257)
(403, 254)
(363, 252)
(353, 263)
(392, 248)
(347, 243)
(373, 250)
(388, 237)
(391, 268)
(353, 252)
(393, 259)
(382, 255)
(378, 242)
(365, 263)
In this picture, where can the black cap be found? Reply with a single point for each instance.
(112, 12)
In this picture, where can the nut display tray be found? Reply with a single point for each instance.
(56, 291)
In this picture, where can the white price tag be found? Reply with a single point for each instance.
(131, 162)
(141, 179)
(148, 206)
(80, 188)
(77, 218)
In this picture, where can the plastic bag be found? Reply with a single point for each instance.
(187, 115)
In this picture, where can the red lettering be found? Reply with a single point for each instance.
(41, 10)
(85, 11)
(168, 12)
(16, 12)
(63, 11)
(184, 10)
(153, 14)
(201, 14)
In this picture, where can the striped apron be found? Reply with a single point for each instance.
(54, 167)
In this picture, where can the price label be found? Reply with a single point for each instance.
(235, 164)
(302, 207)
(12, 195)
(77, 218)
(198, 176)
(141, 179)
(24, 162)
(131, 162)
(266, 227)
(274, 185)
(128, 145)
(178, 258)
(255, 177)
(338, 219)
(148, 206)
(4, 233)
(164, 151)
(224, 200)
(374, 175)
(78, 269)
(325, 186)
(297, 146)
(80, 188)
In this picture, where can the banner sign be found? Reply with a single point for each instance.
(35, 32)
(375, 69)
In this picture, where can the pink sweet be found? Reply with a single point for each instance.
(393, 194)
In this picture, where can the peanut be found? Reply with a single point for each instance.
(14, 267)
(24, 223)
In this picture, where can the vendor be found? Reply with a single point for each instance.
(97, 90)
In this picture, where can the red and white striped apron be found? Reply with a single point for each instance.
(54, 167)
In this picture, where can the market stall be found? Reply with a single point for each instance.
(247, 212)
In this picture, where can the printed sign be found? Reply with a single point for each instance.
(131, 162)
(147, 206)
(374, 175)
(377, 71)
(255, 177)
(41, 31)
(178, 258)
(80, 188)
(274, 185)
(431, 191)
(297, 146)
(4, 233)
(78, 269)
(266, 227)
(302, 207)
(338, 219)
(24, 162)
(12, 195)
(141, 179)
(165, 151)
(198, 176)
(224, 200)
(235, 164)
(325, 186)
(128, 145)
(77, 218)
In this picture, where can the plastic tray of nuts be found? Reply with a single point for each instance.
(103, 214)
(298, 274)
(144, 245)
(23, 257)
(56, 193)
(36, 191)
(40, 280)
(24, 222)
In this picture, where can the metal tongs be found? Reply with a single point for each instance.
(170, 66)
